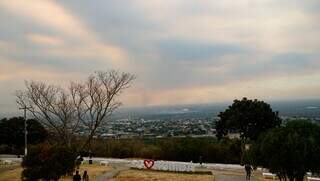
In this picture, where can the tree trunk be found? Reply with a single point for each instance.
(87, 143)
(291, 178)
(243, 149)
(299, 177)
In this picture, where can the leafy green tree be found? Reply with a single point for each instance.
(47, 162)
(247, 117)
(12, 132)
(289, 151)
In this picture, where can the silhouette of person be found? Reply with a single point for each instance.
(77, 177)
(200, 160)
(85, 176)
(78, 161)
(248, 169)
(90, 157)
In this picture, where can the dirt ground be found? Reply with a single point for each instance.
(13, 172)
(256, 175)
(147, 175)
(10, 172)
(93, 171)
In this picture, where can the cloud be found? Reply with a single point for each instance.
(14, 73)
(48, 13)
(187, 50)
(266, 88)
(3, 77)
(181, 52)
(266, 25)
(51, 14)
(277, 65)
(44, 39)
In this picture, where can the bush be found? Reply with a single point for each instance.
(150, 151)
(12, 134)
(47, 162)
(289, 151)
(175, 149)
(5, 149)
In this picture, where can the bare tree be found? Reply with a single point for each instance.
(88, 104)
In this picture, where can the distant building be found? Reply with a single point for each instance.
(108, 136)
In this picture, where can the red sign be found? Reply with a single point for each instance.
(148, 163)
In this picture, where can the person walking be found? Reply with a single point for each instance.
(85, 176)
(248, 170)
(77, 177)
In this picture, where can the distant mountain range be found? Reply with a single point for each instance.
(298, 108)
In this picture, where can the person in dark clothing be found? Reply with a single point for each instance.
(78, 161)
(248, 169)
(90, 157)
(77, 177)
(85, 176)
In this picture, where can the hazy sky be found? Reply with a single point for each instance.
(181, 51)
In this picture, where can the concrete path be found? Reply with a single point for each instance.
(110, 174)
(232, 178)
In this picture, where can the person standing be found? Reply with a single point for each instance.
(77, 177)
(90, 157)
(248, 170)
(85, 176)
(78, 161)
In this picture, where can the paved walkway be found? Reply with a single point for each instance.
(232, 178)
(111, 174)
(219, 175)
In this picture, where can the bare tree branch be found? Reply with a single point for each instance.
(87, 104)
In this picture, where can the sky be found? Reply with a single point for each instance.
(181, 51)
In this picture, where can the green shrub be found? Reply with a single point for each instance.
(289, 151)
(12, 134)
(47, 162)
(175, 149)
(5, 149)
(150, 151)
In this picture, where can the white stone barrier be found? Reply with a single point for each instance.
(13, 160)
(313, 178)
(220, 166)
(104, 163)
(269, 175)
(8, 162)
(167, 165)
(164, 166)
(107, 160)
